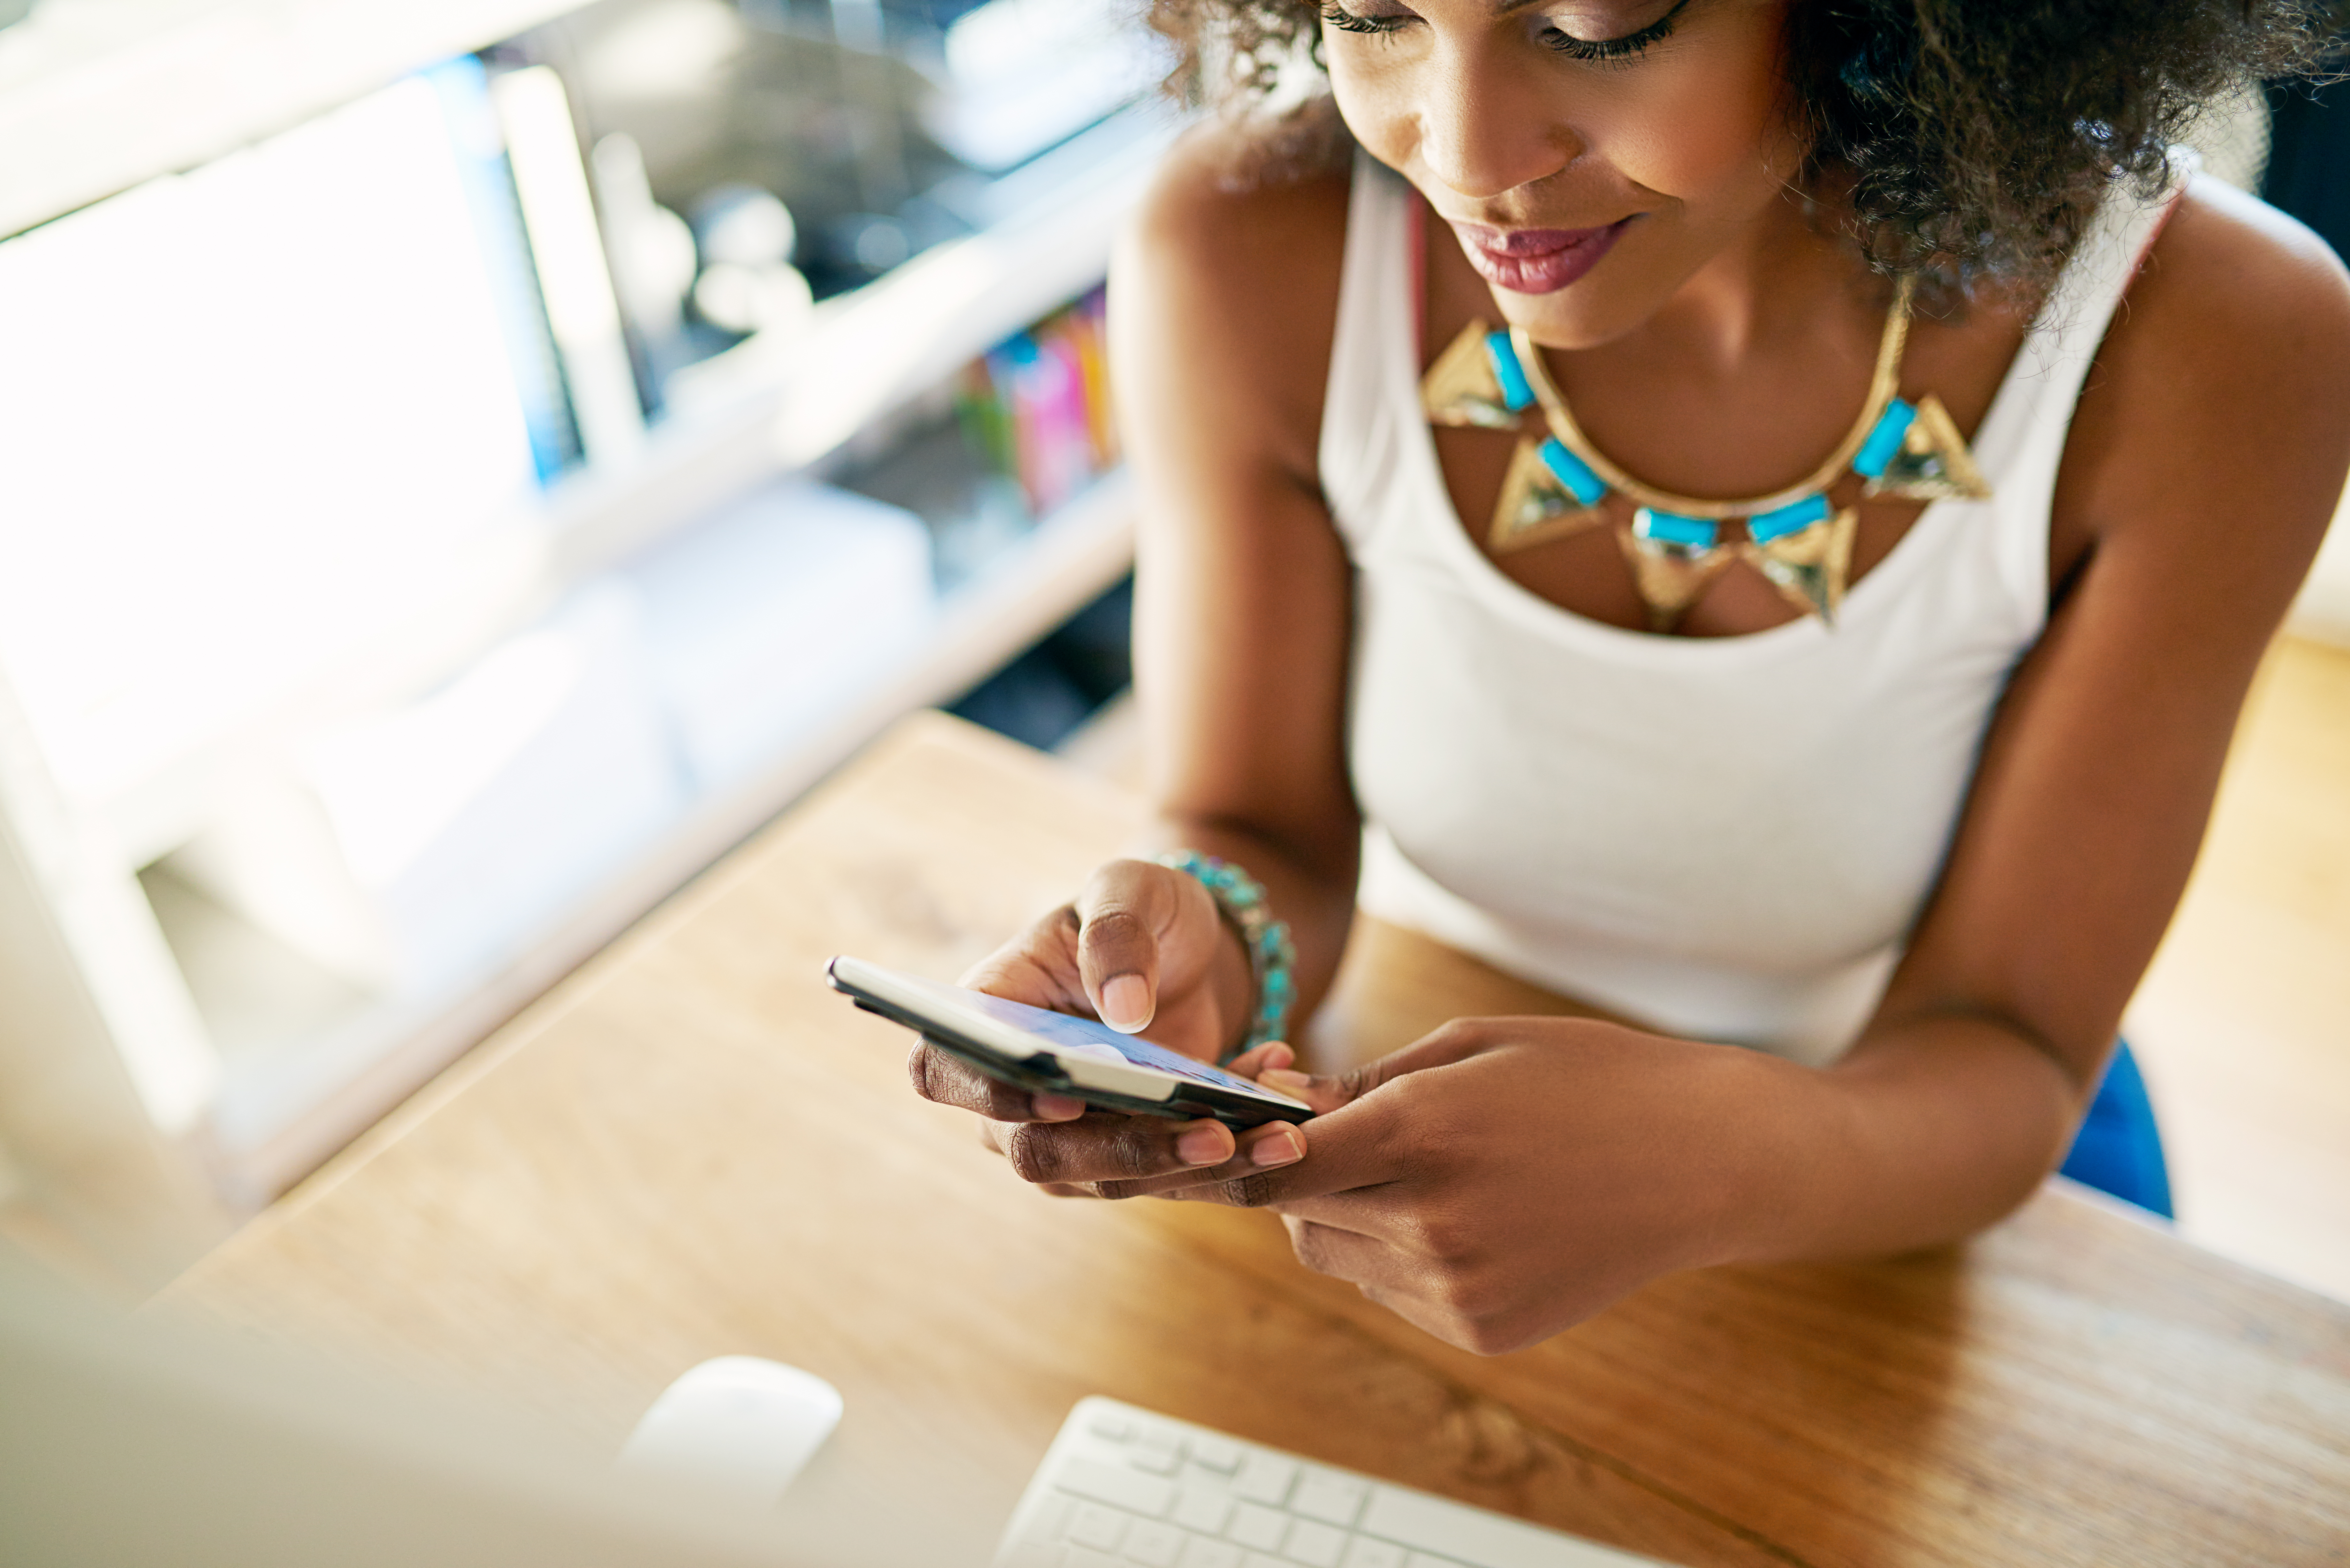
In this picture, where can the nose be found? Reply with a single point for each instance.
(1486, 127)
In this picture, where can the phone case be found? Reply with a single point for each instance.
(1042, 1073)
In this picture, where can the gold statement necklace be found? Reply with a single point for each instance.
(1796, 537)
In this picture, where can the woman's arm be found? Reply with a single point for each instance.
(2206, 458)
(1222, 301)
(1220, 324)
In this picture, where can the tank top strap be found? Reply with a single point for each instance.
(2021, 443)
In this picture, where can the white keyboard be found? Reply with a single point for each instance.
(1121, 1487)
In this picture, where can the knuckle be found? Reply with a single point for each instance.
(1442, 1242)
(1135, 1152)
(1461, 1033)
(1115, 926)
(1484, 1336)
(1034, 1154)
(1472, 1298)
(1253, 1190)
(1313, 1250)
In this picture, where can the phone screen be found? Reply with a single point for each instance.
(1087, 1037)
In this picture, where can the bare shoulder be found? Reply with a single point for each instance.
(2221, 408)
(1230, 277)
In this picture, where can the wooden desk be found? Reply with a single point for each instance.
(693, 1148)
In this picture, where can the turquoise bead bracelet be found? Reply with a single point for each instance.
(1272, 958)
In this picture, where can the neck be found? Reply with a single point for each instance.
(1772, 288)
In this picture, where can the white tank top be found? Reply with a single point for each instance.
(1727, 839)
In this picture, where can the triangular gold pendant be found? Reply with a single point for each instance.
(1670, 575)
(1535, 506)
(1810, 566)
(1461, 388)
(1933, 464)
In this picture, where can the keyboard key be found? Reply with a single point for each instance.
(1027, 1554)
(1050, 1520)
(1259, 1527)
(1157, 1461)
(1366, 1552)
(1085, 1557)
(1266, 1478)
(1450, 1532)
(1264, 1560)
(1113, 1484)
(1164, 1439)
(1203, 1510)
(1110, 1426)
(1218, 1454)
(1333, 1499)
(1200, 1552)
(1153, 1544)
(1423, 1560)
(1096, 1526)
(1315, 1545)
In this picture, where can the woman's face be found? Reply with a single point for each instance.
(1592, 155)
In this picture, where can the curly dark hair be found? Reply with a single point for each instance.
(1970, 141)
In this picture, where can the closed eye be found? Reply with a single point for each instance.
(1346, 21)
(1619, 48)
(1553, 39)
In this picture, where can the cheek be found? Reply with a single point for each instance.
(1710, 129)
(1375, 104)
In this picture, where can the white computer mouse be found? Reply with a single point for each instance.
(740, 1425)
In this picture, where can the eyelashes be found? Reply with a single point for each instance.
(1347, 22)
(1600, 50)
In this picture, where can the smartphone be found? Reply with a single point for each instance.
(1056, 1054)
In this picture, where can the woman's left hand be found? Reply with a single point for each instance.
(1505, 1177)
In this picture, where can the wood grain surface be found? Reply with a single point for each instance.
(693, 1148)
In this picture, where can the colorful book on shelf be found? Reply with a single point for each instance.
(1036, 407)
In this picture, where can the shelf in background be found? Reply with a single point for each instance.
(279, 1115)
(96, 97)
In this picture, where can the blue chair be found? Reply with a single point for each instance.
(2119, 1150)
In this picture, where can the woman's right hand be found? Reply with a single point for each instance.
(1142, 948)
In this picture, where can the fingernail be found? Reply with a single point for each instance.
(1126, 1003)
(1281, 1078)
(1280, 1146)
(1057, 1107)
(1210, 1144)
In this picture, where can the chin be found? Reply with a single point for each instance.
(1582, 317)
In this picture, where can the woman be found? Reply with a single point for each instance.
(1836, 694)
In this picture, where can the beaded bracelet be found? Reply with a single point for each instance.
(1272, 958)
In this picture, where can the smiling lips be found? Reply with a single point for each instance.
(1535, 261)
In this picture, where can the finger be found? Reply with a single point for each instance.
(1351, 1149)
(1343, 1254)
(1038, 967)
(1440, 1048)
(1324, 1094)
(1273, 1055)
(1126, 910)
(944, 1078)
(1256, 1151)
(1107, 1147)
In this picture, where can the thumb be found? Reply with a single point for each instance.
(1462, 1037)
(1126, 906)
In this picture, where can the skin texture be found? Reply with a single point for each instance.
(1505, 1177)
